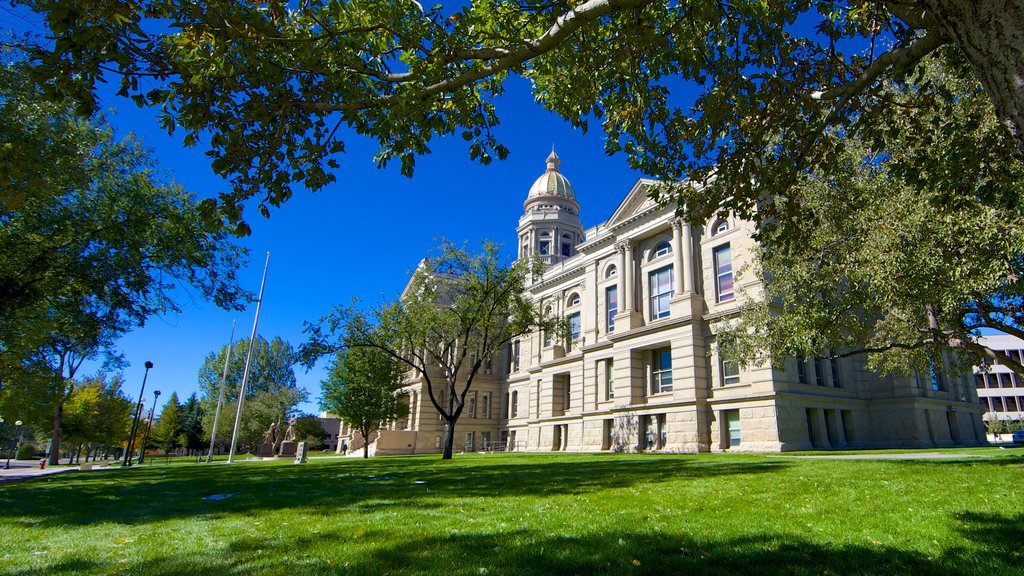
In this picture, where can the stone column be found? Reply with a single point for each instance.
(620, 282)
(627, 318)
(630, 303)
(682, 281)
(687, 247)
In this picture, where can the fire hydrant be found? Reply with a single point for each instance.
(42, 464)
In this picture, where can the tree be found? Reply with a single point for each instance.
(272, 391)
(746, 91)
(97, 414)
(115, 414)
(459, 311)
(192, 423)
(363, 389)
(271, 368)
(167, 430)
(880, 262)
(93, 241)
(308, 429)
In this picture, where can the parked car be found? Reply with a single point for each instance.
(1018, 437)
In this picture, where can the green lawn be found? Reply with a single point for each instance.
(525, 514)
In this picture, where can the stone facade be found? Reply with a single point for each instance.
(646, 294)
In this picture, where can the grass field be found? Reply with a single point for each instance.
(526, 514)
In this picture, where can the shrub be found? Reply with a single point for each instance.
(26, 452)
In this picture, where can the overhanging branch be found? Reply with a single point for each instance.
(563, 27)
(894, 62)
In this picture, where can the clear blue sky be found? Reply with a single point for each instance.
(361, 236)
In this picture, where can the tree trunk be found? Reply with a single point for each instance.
(449, 439)
(991, 36)
(77, 456)
(58, 422)
(366, 443)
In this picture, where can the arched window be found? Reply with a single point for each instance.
(662, 249)
(611, 271)
(573, 300)
(720, 227)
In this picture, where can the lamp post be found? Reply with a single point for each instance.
(14, 444)
(149, 427)
(135, 421)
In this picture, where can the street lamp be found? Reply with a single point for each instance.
(135, 421)
(145, 439)
(14, 445)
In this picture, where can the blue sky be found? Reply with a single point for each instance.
(360, 237)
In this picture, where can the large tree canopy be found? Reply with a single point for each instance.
(93, 241)
(875, 259)
(750, 91)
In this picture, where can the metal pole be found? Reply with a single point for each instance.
(220, 397)
(135, 421)
(14, 444)
(149, 427)
(248, 359)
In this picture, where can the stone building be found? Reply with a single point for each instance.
(645, 294)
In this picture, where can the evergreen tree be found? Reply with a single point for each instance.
(192, 424)
(168, 428)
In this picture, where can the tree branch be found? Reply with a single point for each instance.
(563, 27)
(894, 61)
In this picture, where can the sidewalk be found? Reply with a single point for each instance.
(27, 469)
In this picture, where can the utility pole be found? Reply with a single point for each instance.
(220, 396)
(248, 360)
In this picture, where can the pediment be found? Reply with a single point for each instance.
(636, 202)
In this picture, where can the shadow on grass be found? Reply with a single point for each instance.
(525, 553)
(153, 494)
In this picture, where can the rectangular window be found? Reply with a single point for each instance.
(819, 372)
(661, 370)
(661, 292)
(732, 419)
(936, 376)
(801, 370)
(836, 381)
(469, 441)
(609, 378)
(545, 247)
(515, 356)
(611, 298)
(485, 406)
(515, 404)
(574, 326)
(723, 272)
(730, 372)
(472, 406)
(566, 249)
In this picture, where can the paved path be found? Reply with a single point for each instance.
(887, 456)
(28, 469)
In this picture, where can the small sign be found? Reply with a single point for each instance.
(300, 453)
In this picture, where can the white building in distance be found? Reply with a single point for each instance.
(1000, 391)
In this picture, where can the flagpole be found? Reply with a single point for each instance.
(248, 360)
(220, 397)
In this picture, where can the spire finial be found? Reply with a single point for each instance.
(553, 161)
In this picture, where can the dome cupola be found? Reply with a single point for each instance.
(550, 227)
(551, 185)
